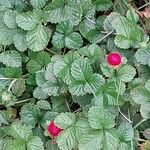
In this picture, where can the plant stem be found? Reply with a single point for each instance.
(11, 84)
(68, 107)
(90, 20)
(104, 37)
(50, 51)
(144, 6)
(139, 123)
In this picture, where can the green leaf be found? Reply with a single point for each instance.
(93, 52)
(143, 55)
(11, 58)
(39, 93)
(140, 95)
(20, 42)
(102, 5)
(16, 145)
(147, 85)
(33, 66)
(100, 118)
(11, 72)
(43, 104)
(74, 40)
(110, 140)
(9, 18)
(145, 110)
(38, 4)
(18, 87)
(38, 38)
(40, 78)
(19, 131)
(126, 73)
(91, 141)
(35, 143)
(65, 120)
(52, 86)
(6, 3)
(62, 67)
(84, 80)
(30, 114)
(28, 20)
(66, 140)
(126, 132)
(132, 15)
(51, 146)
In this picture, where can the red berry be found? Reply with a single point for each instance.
(114, 59)
(53, 129)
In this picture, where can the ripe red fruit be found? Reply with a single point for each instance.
(53, 129)
(114, 59)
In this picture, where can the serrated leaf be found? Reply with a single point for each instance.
(140, 95)
(38, 4)
(126, 132)
(11, 58)
(20, 42)
(147, 85)
(43, 104)
(65, 120)
(126, 73)
(35, 143)
(91, 141)
(132, 15)
(51, 146)
(28, 20)
(18, 87)
(9, 18)
(33, 66)
(39, 93)
(19, 130)
(102, 5)
(100, 118)
(16, 144)
(30, 114)
(145, 110)
(38, 38)
(143, 55)
(62, 67)
(66, 140)
(40, 78)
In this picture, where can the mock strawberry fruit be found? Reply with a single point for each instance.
(114, 59)
(53, 129)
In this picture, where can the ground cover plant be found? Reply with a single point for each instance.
(74, 75)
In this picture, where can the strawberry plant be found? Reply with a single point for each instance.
(74, 75)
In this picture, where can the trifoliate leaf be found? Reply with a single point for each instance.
(30, 114)
(11, 58)
(66, 140)
(126, 73)
(38, 4)
(28, 20)
(40, 78)
(102, 5)
(18, 87)
(20, 42)
(143, 55)
(16, 144)
(19, 130)
(9, 18)
(65, 120)
(91, 141)
(38, 38)
(145, 110)
(62, 67)
(100, 118)
(39, 93)
(35, 143)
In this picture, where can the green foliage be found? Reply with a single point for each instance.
(54, 68)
